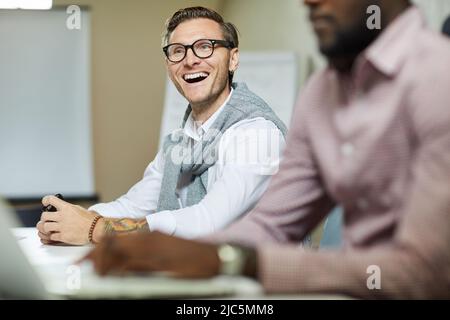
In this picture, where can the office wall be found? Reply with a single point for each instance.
(128, 82)
(276, 25)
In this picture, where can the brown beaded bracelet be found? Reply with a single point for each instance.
(91, 230)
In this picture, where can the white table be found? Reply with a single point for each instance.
(53, 258)
(44, 255)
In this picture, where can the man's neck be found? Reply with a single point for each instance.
(343, 64)
(202, 112)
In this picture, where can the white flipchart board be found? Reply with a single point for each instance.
(272, 76)
(45, 105)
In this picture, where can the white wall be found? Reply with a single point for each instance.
(436, 11)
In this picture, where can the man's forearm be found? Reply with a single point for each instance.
(125, 225)
(385, 272)
(119, 226)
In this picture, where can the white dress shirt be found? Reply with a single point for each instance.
(235, 182)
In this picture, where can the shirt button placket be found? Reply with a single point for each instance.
(347, 149)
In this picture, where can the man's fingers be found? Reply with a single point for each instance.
(44, 241)
(49, 242)
(89, 256)
(143, 264)
(106, 256)
(50, 216)
(44, 233)
(40, 227)
(43, 236)
(51, 227)
(54, 201)
(56, 236)
(93, 254)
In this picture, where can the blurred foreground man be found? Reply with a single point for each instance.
(371, 133)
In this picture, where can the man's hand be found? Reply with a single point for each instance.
(69, 224)
(155, 251)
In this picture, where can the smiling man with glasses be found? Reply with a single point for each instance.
(206, 175)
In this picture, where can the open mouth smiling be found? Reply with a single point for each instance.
(195, 77)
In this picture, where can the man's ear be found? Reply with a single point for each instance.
(234, 59)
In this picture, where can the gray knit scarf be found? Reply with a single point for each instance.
(181, 157)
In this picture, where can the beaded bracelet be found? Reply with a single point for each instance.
(91, 230)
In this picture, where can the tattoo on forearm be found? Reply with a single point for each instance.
(126, 225)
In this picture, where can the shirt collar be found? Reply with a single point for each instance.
(195, 132)
(387, 53)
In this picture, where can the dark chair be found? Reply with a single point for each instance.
(446, 27)
(29, 215)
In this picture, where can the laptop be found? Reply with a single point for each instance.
(21, 279)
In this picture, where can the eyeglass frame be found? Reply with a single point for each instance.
(225, 43)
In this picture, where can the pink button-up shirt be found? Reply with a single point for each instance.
(376, 142)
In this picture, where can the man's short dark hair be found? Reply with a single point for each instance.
(229, 30)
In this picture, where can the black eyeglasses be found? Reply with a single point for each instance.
(203, 48)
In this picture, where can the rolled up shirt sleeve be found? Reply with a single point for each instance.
(141, 199)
